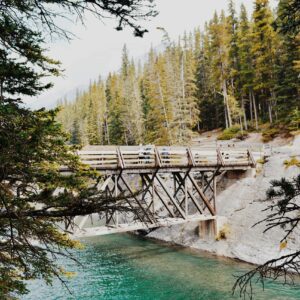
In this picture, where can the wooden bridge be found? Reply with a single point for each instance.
(177, 184)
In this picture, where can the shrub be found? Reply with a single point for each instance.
(270, 133)
(292, 162)
(232, 132)
(261, 161)
(223, 233)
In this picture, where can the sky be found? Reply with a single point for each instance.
(96, 49)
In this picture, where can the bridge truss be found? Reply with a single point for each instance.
(176, 184)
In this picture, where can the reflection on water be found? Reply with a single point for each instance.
(126, 267)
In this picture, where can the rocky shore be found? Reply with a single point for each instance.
(240, 205)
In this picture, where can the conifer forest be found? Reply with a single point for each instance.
(236, 72)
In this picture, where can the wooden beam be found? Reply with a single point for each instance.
(180, 181)
(162, 199)
(120, 158)
(170, 197)
(157, 157)
(129, 203)
(136, 199)
(251, 158)
(197, 205)
(190, 157)
(201, 194)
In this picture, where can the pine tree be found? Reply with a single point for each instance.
(264, 51)
(235, 71)
(115, 105)
(246, 70)
(159, 115)
(288, 80)
(210, 102)
(220, 61)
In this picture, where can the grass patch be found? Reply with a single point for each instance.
(270, 132)
(294, 161)
(233, 132)
(223, 233)
(261, 161)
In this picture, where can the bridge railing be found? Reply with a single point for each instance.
(105, 157)
(138, 157)
(173, 156)
(135, 156)
(204, 156)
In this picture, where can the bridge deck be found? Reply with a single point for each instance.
(144, 158)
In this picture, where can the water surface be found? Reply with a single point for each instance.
(125, 267)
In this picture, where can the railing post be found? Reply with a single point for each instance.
(120, 158)
(157, 158)
(190, 157)
(219, 157)
(251, 158)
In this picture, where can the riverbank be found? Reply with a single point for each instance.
(240, 203)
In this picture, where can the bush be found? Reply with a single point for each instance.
(292, 162)
(223, 233)
(261, 161)
(232, 132)
(294, 120)
(270, 133)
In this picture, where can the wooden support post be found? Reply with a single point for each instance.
(201, 194)
(180, 181)
(153, 196)
(136, 199)
(215, 193)
(194, 200)
(116, 195)
(174, 181)
(174, 202)
(186, 198)
(161, 198)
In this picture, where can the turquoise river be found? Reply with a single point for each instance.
(126, 267)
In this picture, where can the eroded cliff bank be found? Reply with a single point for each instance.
(241, 204)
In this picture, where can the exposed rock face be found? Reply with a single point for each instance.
(241, 203)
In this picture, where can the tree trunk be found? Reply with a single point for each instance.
(227, 108)
(251, 106)
(244, 113)
(270, 112)
(241, 124)
(255, 110)
(164, 108)
(107, 131)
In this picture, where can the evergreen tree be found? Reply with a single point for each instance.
(236, 71)
(246, 70)
(159, 116)
(264, 51)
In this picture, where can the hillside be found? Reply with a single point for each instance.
(236, 73)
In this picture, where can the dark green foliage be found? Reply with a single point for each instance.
(283, 211)
(288, 19)
(236, 72)
(38, 203)
(232, 132)
(35, 196)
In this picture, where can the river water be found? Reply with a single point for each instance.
(125, 267)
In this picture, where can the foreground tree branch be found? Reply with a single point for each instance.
(35, 198)
(284, 213)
